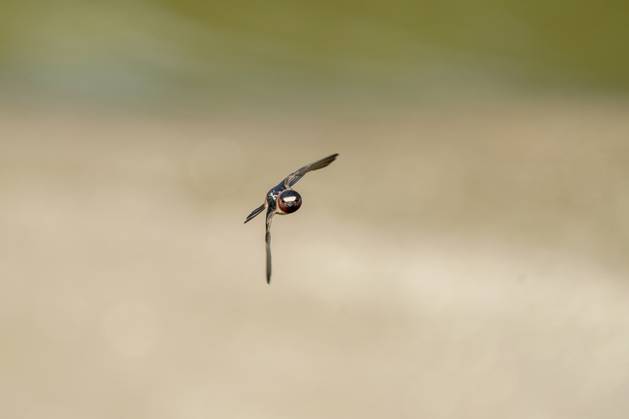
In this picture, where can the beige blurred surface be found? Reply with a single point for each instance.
(461, 262)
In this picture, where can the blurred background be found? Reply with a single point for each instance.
(465, 257)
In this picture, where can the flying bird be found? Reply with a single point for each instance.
(283, 199)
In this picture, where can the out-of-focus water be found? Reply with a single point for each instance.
(451, 263)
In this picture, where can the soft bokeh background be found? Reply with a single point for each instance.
(465, 257)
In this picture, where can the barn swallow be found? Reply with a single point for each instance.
(282, 199)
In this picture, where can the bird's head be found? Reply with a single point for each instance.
(289, 201)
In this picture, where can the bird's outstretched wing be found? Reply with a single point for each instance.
(296, 176)
(267, 238)
(254, 213)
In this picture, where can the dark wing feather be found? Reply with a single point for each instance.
(254, 213)
(267, 238)
(296, 176)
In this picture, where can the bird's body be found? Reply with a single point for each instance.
(273, 194)
(283, 199)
